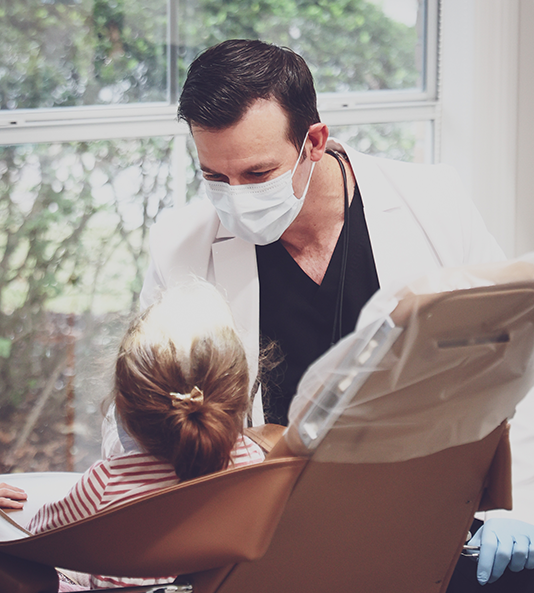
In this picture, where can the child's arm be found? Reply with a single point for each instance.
(246, 452)
(83, 500)
(11, 497)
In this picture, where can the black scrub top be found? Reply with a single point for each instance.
(298, 314)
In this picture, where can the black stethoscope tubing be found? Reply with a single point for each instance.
(337, 330)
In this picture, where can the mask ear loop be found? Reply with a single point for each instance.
(300, 154)
(338, 316)
(297, 164)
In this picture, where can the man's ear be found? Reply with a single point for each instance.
(318, 135)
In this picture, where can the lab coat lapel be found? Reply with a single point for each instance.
(236, 276)
(400, 248)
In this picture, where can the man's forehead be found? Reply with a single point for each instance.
(266, 107)
(258, 141)
(263, 114)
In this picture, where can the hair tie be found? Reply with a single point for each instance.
(195, 396)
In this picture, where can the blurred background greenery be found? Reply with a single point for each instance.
(74, 217)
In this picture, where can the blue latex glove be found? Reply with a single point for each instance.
(503, 542)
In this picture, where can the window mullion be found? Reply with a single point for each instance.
(432, 48)
(172, 51)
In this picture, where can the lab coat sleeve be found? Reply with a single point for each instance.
(448, 216)
(153, 285)
(180, 247)
(480, 246)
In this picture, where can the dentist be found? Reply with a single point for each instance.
(299, 231)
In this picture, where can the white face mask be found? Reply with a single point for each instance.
(258, 212)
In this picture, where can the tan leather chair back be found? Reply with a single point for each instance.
(360, 521)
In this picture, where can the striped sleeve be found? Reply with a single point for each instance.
(134, 475)
(246, 452)
(83, 500)
(106, 582)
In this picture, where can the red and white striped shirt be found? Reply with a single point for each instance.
(118, 480)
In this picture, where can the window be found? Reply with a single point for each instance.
(73, 247)
(91, 152)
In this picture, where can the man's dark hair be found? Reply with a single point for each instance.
(226, 79)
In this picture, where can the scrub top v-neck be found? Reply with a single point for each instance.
(298, 314)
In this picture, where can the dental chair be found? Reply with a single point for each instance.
(397, 436)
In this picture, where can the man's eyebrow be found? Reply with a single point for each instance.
(265, 166)
(207, 169)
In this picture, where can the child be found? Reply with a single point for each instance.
(181, 393)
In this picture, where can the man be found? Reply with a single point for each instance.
(299, 231)
(252, 112)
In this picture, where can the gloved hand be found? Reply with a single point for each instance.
(503, 542)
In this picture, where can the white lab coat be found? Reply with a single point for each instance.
(419, 218)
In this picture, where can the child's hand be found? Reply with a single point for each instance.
(10, 497)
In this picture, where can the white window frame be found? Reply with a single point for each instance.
(70, 124)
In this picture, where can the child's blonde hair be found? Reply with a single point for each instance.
(181, 381)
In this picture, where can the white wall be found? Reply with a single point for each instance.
(487, 125)
(525, 139)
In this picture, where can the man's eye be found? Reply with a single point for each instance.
(259, 174)
(211, 177)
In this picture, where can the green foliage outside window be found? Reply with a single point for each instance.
(64, 54)
(74, 218)
(89, 52)
(350, 45)
(74, 222)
